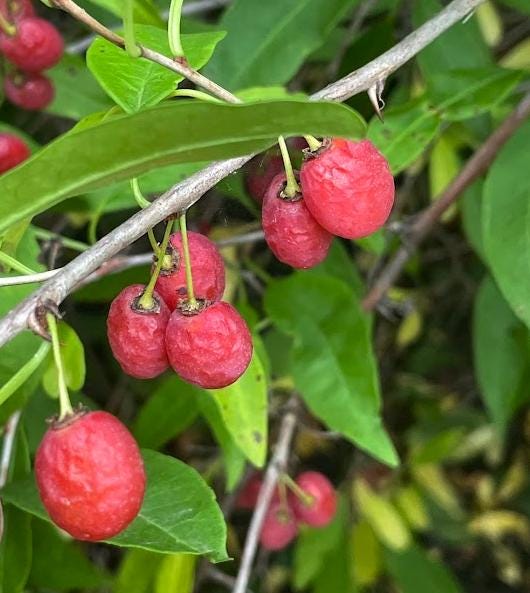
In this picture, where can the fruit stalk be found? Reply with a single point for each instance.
(173, 29)
(143, 203)
(292, 187)
(302, 495)
(187, 261)
(146, 300)
(65, 408)
(128, 30)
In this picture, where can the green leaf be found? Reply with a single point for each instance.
(267, 42)
(179, 512)
(137, 572)
(15, 550)
(144, 11)
(332, 360)
(243, 407)
(176, 573)
(186, 131)
(500, 354)
(137, 83)
(506, 222)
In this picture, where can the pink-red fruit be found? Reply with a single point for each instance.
(260, 172)
(279, 527)
(32, 92)
(291, 232)
(211, 348)
(90, 475)
(207, 267)
(137, 336)
(13, 151)
(348, 187)
(321, 504)
(36, 45)
(14, 10)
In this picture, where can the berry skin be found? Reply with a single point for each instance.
(211, 348)
(248, 497)
(37, 45)
(323, 506)
(90, 475)
(207, 268)
(260, 172)
(32, 92)
(291, 232)
(137, 337)
(279, 527)
(13, 151)
(15, 10)
(348, 187)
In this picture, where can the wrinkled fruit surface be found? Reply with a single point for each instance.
(16, 9)
(291, 232)
(90, 476)
(36, 46)
(207, 268)
(348, 188)
(13, 151)
(32, 92)
(137, 338)
(324, 500)
(211, 348)
(260, 172)
(279, 527)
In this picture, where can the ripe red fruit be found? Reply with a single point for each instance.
(32, 91)
(90, 475)
(291, 232)
(36, 46)
(260, 172)
(348, 187)
(207, 268)
(323, 500)
(211, 348)
(279, 527)
(13, 151)
(248, 497)
(14, 10)
(136, 336)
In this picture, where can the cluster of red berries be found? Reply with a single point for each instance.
(32, 45)
(207, 344)
(346, 189)
(311, 501)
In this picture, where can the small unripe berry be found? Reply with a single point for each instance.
(137, 336)
(259, 173)
(279, 527)
(207, 268)
(32, 92)
(13, 151)
(291, 232)
(36, 45)
(211, 347)
(90, 475)
(321, 506)
(348, 187)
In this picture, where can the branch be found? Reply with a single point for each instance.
(185, 194)
(475, 167)
(7, 449)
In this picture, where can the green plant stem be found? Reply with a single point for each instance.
(128, 30)
(64, 399)
(66, 241)
(313, 143)
(11, 262)
(7, 27)
(301, 494)
(196, 95)
(143, 203)
(146, 300)
(292, 187)
(187, 261)
(173, 29)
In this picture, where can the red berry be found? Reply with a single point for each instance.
(13, 151)
(36, 46)
(207, 268)
(14, 10)
(248, 497)
(291, 232)
(323, 500)
(348, 187)
(260, 172)
(279, 527)
(137, 336)
(32, 91)
(90, 475)
(211, 348)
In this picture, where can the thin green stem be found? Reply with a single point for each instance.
(173, 29)
(196, 95)
(128, 30)
(292, 187)
(143, 203)
(146, 300)
(301, 494)
(187, 261)
(7, 27)
(313, 143)
(11, 262)
(64, 399)
(66, 241)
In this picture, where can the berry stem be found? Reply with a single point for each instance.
(66, 241)
(301, 494)
(65, 408)
(128, 30)
(196, 95)
(187, 261)
(313, 143)
(292, 187)
(143, 203)
(146, 301)
(173, 29)
(6, 26)
(11, 262)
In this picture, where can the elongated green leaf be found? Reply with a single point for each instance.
(137, 572)
(332, 361)
(187, 131)
(179, 513)
(137, 83)
(15, 550)
(144, 10)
